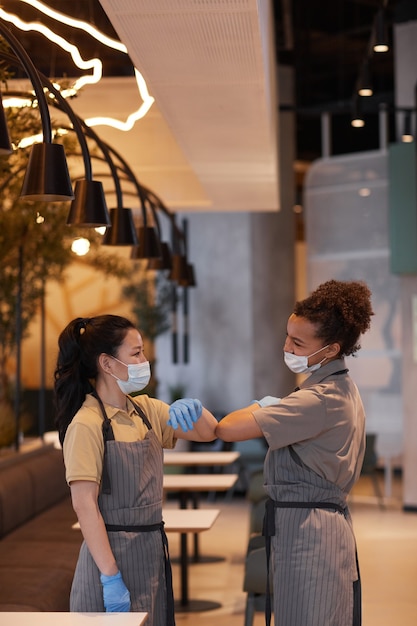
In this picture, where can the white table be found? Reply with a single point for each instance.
(190, 459)
(42, 618)
(189, 520)
(186, 484)
(209, 459)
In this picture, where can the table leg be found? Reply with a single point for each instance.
(185, 604)
(196, 546)
(183, 505)
(184, 570)
(184, 496)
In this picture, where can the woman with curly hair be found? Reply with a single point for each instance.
(316, 440)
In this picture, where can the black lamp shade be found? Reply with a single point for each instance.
(89, 208)
(179, 272)
(381, 43)
(182, 272)
(365, 83)
(149, 246)
(191, 282)
(5, 143)
(122, 231)
(47, 177)
(164, 262)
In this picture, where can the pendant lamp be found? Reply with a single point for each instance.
(191, 281)
(122, 231)
(89, 208)
(381, 35)
(47, 177)
(179, 272)
(164, 262)
(149, 246)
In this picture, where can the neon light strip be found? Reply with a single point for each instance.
(132, 118)
(94, 64)
(70, 21)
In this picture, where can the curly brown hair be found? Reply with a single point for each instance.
(341, 312)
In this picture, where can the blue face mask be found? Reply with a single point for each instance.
(299, 364)
(139, 375)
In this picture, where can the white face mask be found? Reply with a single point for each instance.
(299, 364)
(139, 375)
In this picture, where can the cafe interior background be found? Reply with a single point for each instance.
(237, 116)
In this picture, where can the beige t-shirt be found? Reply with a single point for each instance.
(84, 445)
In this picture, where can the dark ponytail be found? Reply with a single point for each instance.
(80, 344)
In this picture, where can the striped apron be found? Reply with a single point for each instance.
(310, 547)
(130, 502)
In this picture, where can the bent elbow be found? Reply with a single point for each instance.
(223, 433)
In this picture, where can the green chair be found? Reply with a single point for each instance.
(254, 582)
(256, 495)
(369, 467)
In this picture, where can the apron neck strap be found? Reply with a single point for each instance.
(108, 435)
(141, 414)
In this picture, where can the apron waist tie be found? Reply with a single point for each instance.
(268, 531)
(146, 528)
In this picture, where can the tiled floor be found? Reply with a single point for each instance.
(387, 545)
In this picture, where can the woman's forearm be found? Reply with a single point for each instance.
(239, 425)
(206, 426)
(204, 429)
(84, 498)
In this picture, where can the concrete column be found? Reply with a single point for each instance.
(405, 50)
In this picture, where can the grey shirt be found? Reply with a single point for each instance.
(324, 421)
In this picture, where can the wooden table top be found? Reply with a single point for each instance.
(42, 618)
(199, 482)
(181, 521)
(189, 520)
(200, 458)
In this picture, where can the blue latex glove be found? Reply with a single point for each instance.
(184, 412)
(268, 401)
(116, 595)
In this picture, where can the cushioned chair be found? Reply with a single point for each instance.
(252, 457)
(369, 467)
(254, 582)
(256, 495)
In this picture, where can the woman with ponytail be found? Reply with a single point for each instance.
(113, 453)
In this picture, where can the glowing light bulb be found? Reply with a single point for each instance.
(80, 246)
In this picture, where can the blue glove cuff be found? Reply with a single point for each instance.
(268, 401)
(109, 579)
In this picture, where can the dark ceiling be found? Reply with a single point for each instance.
(325, 41)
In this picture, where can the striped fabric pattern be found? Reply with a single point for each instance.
(313, 550)
(136, 474)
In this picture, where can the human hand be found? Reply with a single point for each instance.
(184, 412)
(116, 595)
(268, 401)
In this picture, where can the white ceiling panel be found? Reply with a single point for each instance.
(210, 66)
